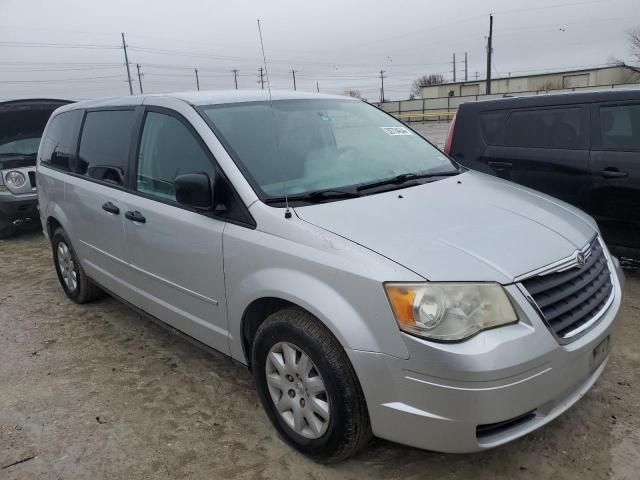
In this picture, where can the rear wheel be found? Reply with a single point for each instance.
(74, 281)
(308, 387)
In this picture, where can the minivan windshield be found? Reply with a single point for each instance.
(302, 147)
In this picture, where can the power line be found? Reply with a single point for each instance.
(261, 77)
(139, 78)
(489, 53)
(126, 62)
(382, 77)
(56, 45)
(235, 76)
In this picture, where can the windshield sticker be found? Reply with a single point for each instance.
(395, 131)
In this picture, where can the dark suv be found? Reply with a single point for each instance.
(21, 126)
(583, 148)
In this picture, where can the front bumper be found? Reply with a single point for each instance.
(18, 207)
(489, 390)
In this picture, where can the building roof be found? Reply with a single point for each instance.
(540, 74)
(567, 98)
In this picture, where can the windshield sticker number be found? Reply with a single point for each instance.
(395, 131)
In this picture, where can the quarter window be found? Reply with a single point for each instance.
(58, 144)
(493, 127)
(168, 149)
(620, 127)
(104, 147)
(549, 128)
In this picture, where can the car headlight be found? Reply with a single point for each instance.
(14, 179)
(449, 312)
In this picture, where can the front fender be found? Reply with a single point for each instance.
(331, 285)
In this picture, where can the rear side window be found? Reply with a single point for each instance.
(545, 128)
(58, 146)
(620, 127)
(104, 145)
(492, 124)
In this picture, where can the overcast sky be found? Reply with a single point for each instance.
(72, 48)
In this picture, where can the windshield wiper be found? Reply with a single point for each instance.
(14, 154)
(316, 197)
(404, 178)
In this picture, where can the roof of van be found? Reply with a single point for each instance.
(554, 99)
(211, 97)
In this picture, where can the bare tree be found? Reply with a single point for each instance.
(634, 41)
(425, 81)
(352, 92)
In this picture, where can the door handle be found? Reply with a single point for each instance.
(135, 216)
(111, 208)
(613, 173)
(499, 166)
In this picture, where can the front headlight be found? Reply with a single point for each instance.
(449, 311)
(14, 179)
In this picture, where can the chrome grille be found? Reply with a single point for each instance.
(571, 298)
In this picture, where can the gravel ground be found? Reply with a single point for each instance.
(96, 391)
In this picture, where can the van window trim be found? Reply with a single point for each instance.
(131, 186)
(597, 143)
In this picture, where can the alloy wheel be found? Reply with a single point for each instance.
(67, 266)
(298, 390)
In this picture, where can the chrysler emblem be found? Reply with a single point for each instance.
(580, 260)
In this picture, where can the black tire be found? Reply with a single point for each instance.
(348, 427)
(85, 291)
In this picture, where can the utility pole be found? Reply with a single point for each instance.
(489, 52)
(476, 76)
(126, 61)
(466, 67)
(317, 87)
(261, 75)
(197, 79)
(139, 77)
(235, 76)
(382, 77)
(293, 73)
(454, 68)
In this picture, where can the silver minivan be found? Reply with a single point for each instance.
(372, 285)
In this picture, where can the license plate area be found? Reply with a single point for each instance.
(600, 353)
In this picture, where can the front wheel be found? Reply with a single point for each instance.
(308, 387)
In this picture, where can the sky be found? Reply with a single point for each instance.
(73, 48)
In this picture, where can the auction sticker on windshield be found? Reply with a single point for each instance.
(395, 131)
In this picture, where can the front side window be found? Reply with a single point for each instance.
(303, 146)
(545, 128)
(620, 127)
(168, 149)
(104, 146)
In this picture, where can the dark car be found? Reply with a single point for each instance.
(583, 148)
(21, 126)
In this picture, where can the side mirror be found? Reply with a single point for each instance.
(194, 190)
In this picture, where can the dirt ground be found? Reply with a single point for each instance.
(97, 392)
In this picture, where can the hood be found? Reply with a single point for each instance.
(25, 118)
(471, 227)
